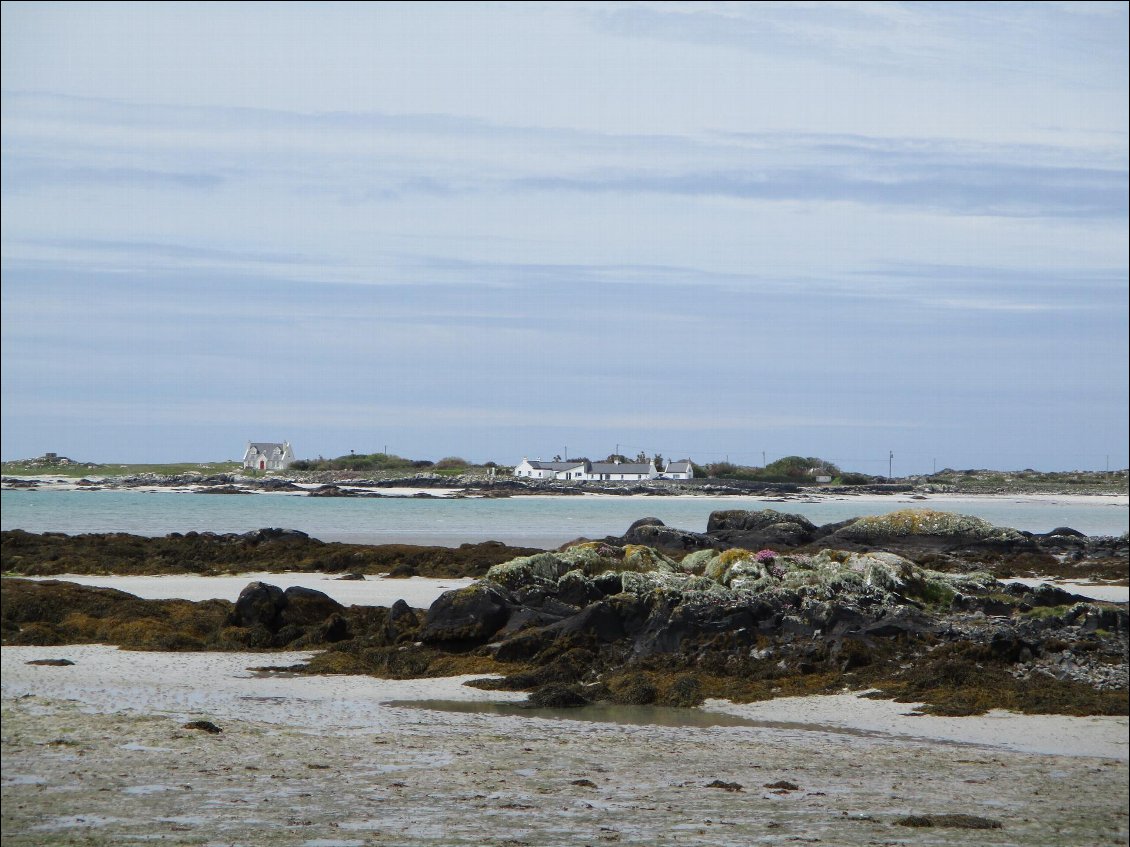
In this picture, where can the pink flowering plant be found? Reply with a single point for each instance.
(768, 558)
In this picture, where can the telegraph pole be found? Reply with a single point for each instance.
(890, 466)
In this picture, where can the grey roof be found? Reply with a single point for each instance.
(622, 467)
(554, 466)
(266, 446)
(678, 467)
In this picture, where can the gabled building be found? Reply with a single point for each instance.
(537, 469)
(678, 470)
(268, 456)
(583, 470)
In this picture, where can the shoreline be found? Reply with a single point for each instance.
(219, 684)
(99, 752)
(483, 489)
(419, 592)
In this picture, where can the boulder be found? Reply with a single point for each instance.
(928, 529)
(259, 604)
(471, 614)
(757, 529)
(307, 606)
(652, 532)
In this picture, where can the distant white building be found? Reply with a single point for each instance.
(682, 469)
(584, 470)
(268, 456)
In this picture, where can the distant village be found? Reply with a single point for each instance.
(583, 469)
(279, 456)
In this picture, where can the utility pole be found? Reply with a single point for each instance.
(762, 458)
(935, 466)
(890, 466)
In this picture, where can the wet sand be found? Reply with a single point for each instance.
(95, 753)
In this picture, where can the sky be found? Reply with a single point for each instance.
(708, 230)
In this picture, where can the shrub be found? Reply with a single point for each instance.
(451, 463)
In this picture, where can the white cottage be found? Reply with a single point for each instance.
(678, 470)
(537, 469)
(268, 456)
(583, 469)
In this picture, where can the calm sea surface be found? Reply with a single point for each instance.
(533, 521)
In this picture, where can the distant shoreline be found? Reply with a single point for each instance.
(344, 485)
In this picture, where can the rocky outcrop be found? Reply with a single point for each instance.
(604, 616)
(294, 613)
(652, 532)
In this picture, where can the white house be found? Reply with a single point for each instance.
(583, 469)
(268, 456)
(678, 470)
(538, 469)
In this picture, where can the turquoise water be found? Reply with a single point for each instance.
(533, 521)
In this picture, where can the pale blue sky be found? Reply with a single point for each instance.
(495, 230)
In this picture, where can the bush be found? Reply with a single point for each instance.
(448, 463)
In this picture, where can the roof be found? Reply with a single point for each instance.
(266, 446)
(678, 467)
(555, 466)
(622, 467)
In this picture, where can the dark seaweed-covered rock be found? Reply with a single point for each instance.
(259, 604)
(958, 821)
(556, 695)
(764, 528)
(307, 606)
(402, 622)
(471, 614)
(652, 532)
(203, 726)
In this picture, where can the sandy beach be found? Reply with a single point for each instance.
(418, 592)
(96, 753)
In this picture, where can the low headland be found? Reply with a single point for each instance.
(912, 606)
(381, 475)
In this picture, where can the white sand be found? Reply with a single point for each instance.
(418, 592)
(106, 679)
(1056, 735)
(1094, 590)
(95, 753)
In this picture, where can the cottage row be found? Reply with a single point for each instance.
(583, 469)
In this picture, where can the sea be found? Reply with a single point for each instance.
(533, 521)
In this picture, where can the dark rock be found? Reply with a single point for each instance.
(471, 614)
(764, 528)
(307, 606)
(725, 786)
(583, 783)
(259, 604)
(958, 821)
(783, 785)
(51, 663)
(652, 532)
(402, 622)
(1064, 532)
(274, 534)
(203, 726)
(352, 576)
(556, 695)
